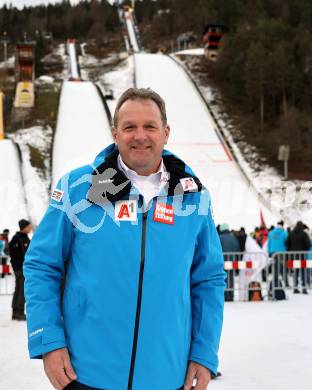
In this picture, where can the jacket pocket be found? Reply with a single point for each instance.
(74, 302)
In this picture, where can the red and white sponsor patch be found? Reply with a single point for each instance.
(57, 195)
(126, 210)
(188, 184)
(164, 213)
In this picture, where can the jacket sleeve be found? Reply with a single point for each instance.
(287, 242)
(207, 296)
(307, 242)
(43, 271)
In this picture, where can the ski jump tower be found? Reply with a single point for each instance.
(25, 75)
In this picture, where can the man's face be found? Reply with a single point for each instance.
(140, 135)
(27, 229)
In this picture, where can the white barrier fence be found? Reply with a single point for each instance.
(250, 276)
(256, 276)
(292, 271)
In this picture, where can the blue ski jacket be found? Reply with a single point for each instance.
(144, 287)
(277, 240)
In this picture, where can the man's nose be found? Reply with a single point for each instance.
(140, 133)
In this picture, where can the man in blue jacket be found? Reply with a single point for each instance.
(277, 244)
(143, 299)
(277, 239)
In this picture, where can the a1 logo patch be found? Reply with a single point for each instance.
(164, 213)
(126, 210)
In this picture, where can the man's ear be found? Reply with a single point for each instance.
(114, 133)
(167, 132)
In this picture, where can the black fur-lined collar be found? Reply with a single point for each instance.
(109, 182)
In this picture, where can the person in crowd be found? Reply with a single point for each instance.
(18, 247)
(4, 248)
(241, 236)
(143, 285)
(5, 238)
(229, 243)
(298, 241)
(277, 244)
(309, 257)
(253, 252)
(262, 236)
(1, 245)
(277, 239)
(2, 257)
(255, 234)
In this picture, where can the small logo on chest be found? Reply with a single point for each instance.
(126, 210)
(164, 213)
(188, 184)
(57, 195)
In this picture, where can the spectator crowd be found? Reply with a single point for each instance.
(275, 240)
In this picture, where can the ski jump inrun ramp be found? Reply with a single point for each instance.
(194, 138)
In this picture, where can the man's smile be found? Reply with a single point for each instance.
(141, 148)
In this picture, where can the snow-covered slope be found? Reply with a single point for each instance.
(12, 198)
(36, 181)
(82, 128)
(195, 139)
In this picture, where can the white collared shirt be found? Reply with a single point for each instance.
(149, 186)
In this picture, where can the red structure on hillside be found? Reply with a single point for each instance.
(25, 75)
(212, 38)
(25, 61)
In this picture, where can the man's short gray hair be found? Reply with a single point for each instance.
(141, 94)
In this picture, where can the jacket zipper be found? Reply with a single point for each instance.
(139, 300)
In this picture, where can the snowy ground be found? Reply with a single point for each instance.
(93, 68)
(20, 372)
(9, 64)
(265, 346)
(191, 52)
(57, 57)
(118, 80)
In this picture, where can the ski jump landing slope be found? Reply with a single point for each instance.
(195, 139)
(12, 197)
(82, 131)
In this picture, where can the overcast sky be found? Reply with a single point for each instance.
(21, 3)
